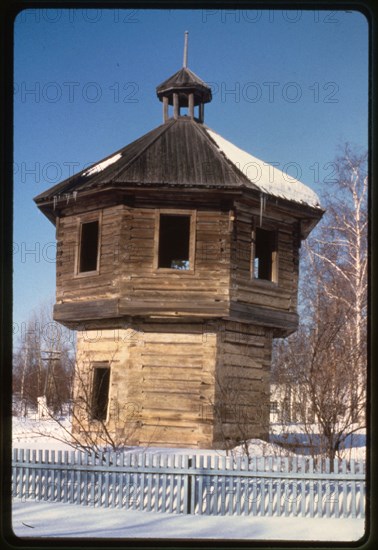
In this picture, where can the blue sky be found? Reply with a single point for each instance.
(288, 86)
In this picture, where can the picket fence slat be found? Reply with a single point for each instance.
(198, 484)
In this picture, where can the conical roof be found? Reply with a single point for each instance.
(181, 153)
(177, 153)
(183, 82)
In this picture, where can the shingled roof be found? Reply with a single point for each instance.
(177, 153)
(184, 153)
(183, 81)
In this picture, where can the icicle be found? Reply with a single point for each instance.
(55, 198)
(74, 194)
(262, 206)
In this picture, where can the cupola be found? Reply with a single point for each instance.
(184, 89)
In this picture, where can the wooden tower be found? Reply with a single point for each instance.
(178, 265)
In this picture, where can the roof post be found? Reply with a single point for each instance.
(176, 108)
(201, 112)
(165, 109)
(191, 105)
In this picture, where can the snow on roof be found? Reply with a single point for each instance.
(268, 178)
(102, 165)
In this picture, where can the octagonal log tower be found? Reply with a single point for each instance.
(177, 265)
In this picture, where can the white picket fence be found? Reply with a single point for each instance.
(184, 484)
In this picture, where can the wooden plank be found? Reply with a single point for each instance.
(155, 368)
(149, 459)
(217, 504)
(59, 479)
(142, 463)
(361, 491)
(287, 492)
(262, 483)
(319, 491)
(92, 482)
(164, 464)
(15, 477)
(199, 463)
(186, 499)
(270, 488)
(285, 321)
(85, 310)
(311, 489)
(303, 487)
(278, 511)
(327, 489)
(157, 484)
(335, 502)
(172, 483)
(27, 473)
(71, 474)
(353, 512)
(33, 484)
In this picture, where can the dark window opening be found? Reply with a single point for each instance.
(89, 246)
(174, 240)
(100, 392)
(265, 256)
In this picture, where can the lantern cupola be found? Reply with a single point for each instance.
(184, 90)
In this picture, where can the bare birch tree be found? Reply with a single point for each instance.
(42, 361)
(327, 358)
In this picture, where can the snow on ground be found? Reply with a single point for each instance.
(295, 435)
(42, 519)
(31, 433)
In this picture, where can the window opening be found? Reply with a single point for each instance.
(89, 246)
(264, 264)
(100, 392)
(174, 241)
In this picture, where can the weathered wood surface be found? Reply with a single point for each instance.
(242, 383)
(197, 382)
(127, 272)
(170, 375)
(244, 288)
(164, 373)
(220, 284)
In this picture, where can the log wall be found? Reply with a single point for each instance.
(242, 383)
(145, 289)
(261, 293)
(127, 272)
(172, 384)
(161, 375)
(83, 287)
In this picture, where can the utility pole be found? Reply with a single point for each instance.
(50, 356)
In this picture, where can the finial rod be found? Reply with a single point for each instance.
(185, 62)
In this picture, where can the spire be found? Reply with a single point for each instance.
(184, 89)
(185, 62)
